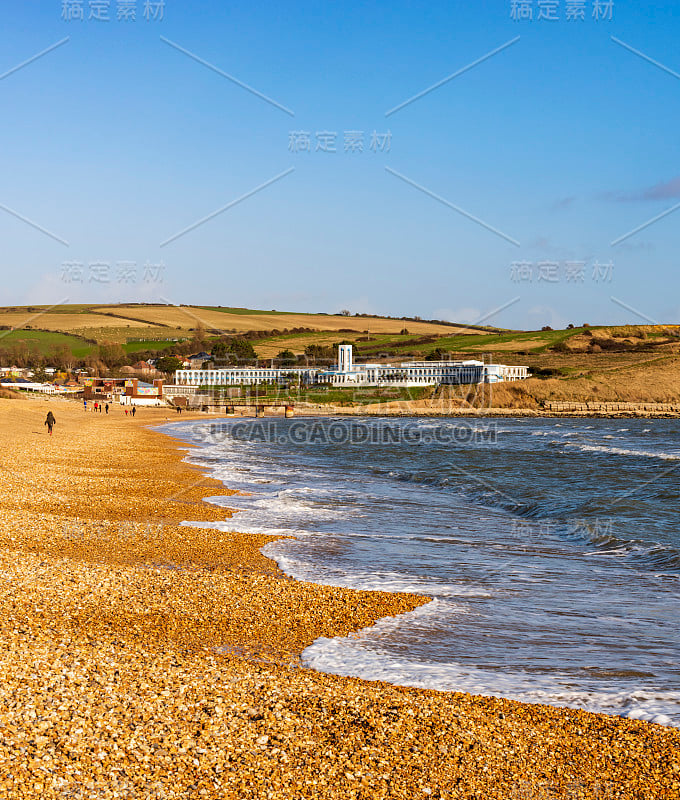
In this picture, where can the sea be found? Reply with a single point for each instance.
(549, 548)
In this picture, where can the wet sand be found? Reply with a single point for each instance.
(141, 658)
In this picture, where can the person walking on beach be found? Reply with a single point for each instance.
(95, 406)
(85, 404)
(126, 412)
(134, 410)
(106, 408)
(100, 408)
(50, 422)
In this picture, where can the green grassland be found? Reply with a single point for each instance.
(46, 342)
(146, 345)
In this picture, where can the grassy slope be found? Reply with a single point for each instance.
(46, 341)
(239, 320)
(147, 344)
(149, 323)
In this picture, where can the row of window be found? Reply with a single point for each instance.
(464, 374)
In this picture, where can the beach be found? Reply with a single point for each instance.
(143, 658)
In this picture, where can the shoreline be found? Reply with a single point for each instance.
(303, 410)
(127, 613)
(329, 655)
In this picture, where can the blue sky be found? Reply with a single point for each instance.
(560, 143)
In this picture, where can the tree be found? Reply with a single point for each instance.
(220, 349)
(198, 341)
(39, 374)
(94, 366)
(63, 358)
(243, 350)
(345, 312)
(112, 354)
(287, 358)
(437, 355)
(320, 351)
(169, 364)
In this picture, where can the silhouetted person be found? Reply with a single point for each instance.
(106, 408)
(50, 422)
(134, 410)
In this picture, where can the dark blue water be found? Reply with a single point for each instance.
(551, 548)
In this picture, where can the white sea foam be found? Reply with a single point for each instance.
(361, 655)
(623, 451)
(374, 580)
(275, 509)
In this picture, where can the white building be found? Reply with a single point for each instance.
(243, 376)
(347, 373)
(419, 373)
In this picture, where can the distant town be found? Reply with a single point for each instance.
(146, 382)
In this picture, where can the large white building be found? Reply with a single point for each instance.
(416, 373)
(347, 373)
(243, 376)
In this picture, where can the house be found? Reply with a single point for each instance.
(15, 372)
(102, 388)
(29, 386)
(196, 361)
(140, 393)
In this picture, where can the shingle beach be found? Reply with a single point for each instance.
(144, 659)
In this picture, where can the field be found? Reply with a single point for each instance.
(240, 320)
(122, 323)
(143, 345)
(270, 347)
(45, 342)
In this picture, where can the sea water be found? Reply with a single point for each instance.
(550, 549)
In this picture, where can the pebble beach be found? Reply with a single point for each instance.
(141, 658)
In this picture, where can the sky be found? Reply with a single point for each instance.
(493, 162)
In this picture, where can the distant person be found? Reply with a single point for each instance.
(126, 412)
(106, 408)
(95, 406)
(134, 410)
(50, 422)
(100, 408)
(85, 404)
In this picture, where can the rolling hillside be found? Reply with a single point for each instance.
(121, 323)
